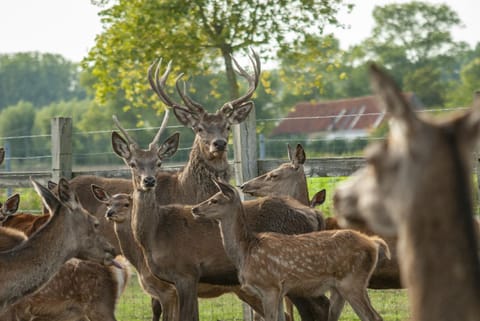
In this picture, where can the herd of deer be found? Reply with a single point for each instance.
(188, 233)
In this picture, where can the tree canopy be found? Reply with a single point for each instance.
(200, 35)
(37, 78)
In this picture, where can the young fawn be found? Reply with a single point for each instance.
(271, 265)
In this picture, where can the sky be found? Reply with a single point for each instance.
(69, 27)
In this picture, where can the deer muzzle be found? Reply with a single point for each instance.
(149, 182)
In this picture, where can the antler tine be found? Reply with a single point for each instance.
(252, 80)
(191, 104)
(158, 84)
(130, 140)
(163, 126)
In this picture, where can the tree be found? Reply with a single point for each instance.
(16, 122)
(414, 41)
(200, 35)
(37, 78)
(462, 94)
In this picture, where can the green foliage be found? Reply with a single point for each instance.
(462, 93)
(17, 121)
(414, 41)
(199, 35)
(37, 78)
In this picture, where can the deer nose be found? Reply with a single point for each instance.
(149, 181)
(109, 213)
(220, 144)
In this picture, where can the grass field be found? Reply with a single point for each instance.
(135, 306)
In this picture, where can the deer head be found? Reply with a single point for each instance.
(211, 129)
(220, 204)
(420, 158)
(118, 205)
(287, 179)
(90, 244)
(144, 163)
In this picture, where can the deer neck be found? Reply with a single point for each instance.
(33, 263)
(199, 172)
(439, 250)
(301, 192)
(237, 238)
(128, 245)
(144, 214)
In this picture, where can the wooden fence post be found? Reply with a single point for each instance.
(245, 149)
(245, 165)
(61, 148)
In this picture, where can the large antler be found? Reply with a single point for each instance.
(158, 85)
(252, 79)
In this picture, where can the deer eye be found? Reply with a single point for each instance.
(133, 165)
(159, 164)
(126, 205)
(228, 128)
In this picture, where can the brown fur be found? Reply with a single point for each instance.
(271, 265)
(71, 232)
(81, 289)
(207, 160)
(289, 179)
(10, 238)
(416, 185)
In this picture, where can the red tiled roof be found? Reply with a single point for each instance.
(362, 113)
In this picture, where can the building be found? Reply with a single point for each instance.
(345, 118)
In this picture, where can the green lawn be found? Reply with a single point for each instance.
(135, 306)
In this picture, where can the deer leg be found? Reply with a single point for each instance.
(358, 299)
(272, 305)
(289, 309)
(337, 302)
(187, 299)
(156, 309)
(101, 312)
(311, 309)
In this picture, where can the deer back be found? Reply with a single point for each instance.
(80, 290)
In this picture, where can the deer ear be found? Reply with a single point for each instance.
(225, 188)
(300, 157)
(48, 199)
(238, 114)
(66, 195)
(392, 101)
(185, 116)
(318, 198)
(100, 194)
(2, 154)
(169, 146)
(120, 146)
(51, 185)
(11, 205)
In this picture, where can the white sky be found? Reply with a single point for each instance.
(69, 27)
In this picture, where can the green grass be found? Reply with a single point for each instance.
(134, 305)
